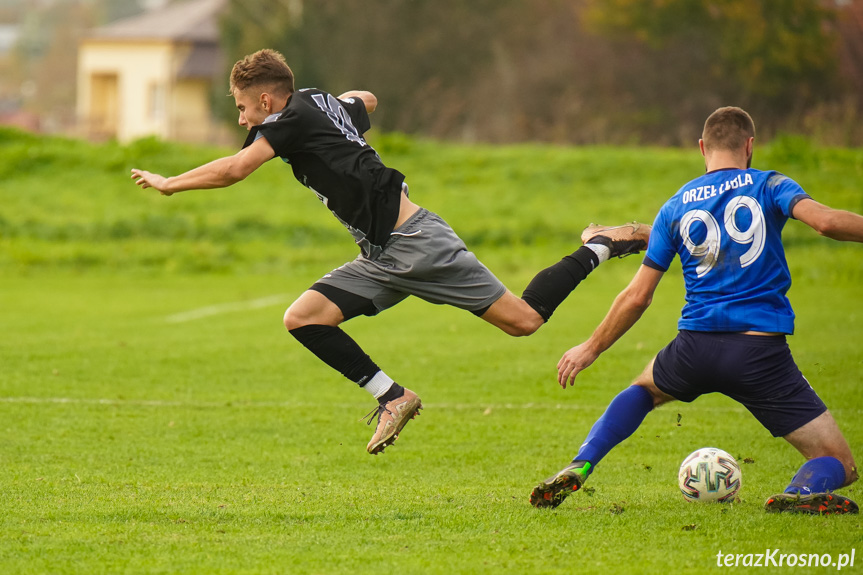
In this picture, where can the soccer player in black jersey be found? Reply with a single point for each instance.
(405, 249)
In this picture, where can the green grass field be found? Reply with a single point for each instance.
(157, 418)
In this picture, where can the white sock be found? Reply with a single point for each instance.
(379, 384)
(602, 252)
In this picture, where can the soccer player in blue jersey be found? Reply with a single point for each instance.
(404, 249)
(726, 228)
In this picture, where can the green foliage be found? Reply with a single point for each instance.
(769, 57)
(608, 72)
(339, 46)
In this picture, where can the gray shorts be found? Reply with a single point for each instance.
(423, 257)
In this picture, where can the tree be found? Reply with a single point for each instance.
(773, 57)
(568, 71)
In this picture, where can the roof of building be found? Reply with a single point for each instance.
(190, 20)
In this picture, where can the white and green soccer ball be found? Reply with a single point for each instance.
(709, 474)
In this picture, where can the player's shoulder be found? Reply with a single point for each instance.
(774, 179)
(272, 118)
(770, 178)
(775, 184)
(306, 103)
(321, 98)
(734, 178)
(309, 95)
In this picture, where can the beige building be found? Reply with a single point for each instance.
(153, 74)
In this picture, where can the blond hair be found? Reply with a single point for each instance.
(264, 69)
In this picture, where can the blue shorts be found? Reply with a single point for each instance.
(756, 371)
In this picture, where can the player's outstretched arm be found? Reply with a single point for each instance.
(369, 99)
(628, 307)
(219, 173)
(829, 222)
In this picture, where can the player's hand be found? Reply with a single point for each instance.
(146, 180)
(574, 361)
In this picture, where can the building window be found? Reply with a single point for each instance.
(156, 102)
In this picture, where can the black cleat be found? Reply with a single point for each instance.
(814, 504)
(552, 491)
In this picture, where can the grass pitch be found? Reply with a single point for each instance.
(158, 419)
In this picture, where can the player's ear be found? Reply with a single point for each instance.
(701, 147)
(266, 102)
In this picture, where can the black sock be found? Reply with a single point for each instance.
(336, 348)
(394, 392)
(552, 285)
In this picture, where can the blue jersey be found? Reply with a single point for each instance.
(727, 228)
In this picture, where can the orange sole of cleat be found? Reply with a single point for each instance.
(817, 504)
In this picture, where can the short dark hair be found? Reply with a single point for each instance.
(263, 69)
(728, 128)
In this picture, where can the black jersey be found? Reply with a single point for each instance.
(321, 138)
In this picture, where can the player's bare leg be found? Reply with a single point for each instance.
(312, 308)
(513, 315)
(829, 465)
(821, 437)
(645, 380)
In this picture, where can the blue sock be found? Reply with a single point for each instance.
(817, 476)
(620, 420)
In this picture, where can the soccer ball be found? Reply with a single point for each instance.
(709, 474)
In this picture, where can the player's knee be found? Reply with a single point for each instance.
(289, 320)
(658, 396)
(524, 326)
(299, 315)
(293, 319)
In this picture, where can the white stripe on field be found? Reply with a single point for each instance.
(487, 407)
(267, 404)
(239, 404)
(229, 307)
